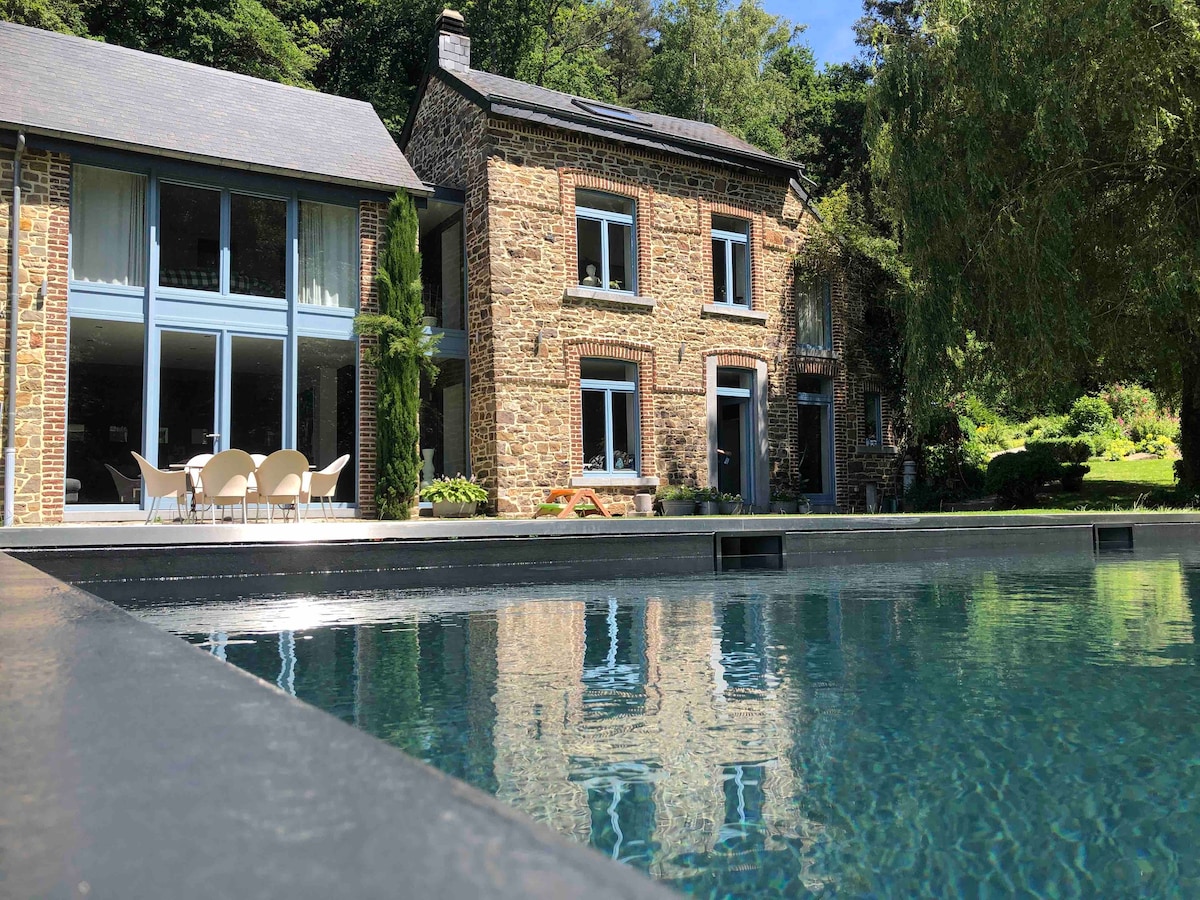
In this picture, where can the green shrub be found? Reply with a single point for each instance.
(1065, 450)
(677, 492)
(1045, 427)
(1091, 415)
(1017, 477)
(1072, 476)
(1158, 444)
(922, 497)
(1145, 425)
(1128, 401)
(454, 490)
(1119, 449)
(706, 495)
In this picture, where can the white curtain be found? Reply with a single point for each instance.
(810, 316)
(108, 226)
(328, 275)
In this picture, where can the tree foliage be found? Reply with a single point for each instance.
(1041, 163)
(402, 349)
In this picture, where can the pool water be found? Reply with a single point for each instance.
(973, 728)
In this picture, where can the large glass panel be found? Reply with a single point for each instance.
(812, 316)
(187, 382)
(874, 415)
(720, 272)
(595, 435)
(108, 226)
(591, 253)
(620, 251)
(104, 409)
(325, 408)
(444, 421)
(602, 202)
(189, 237)
(442, 264)
(257, 246)
(814, 446)
(624, 420)
(731, 443)
(741, 275)
(256, 395)
(328, 255)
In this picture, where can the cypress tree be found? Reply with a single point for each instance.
(403, 350)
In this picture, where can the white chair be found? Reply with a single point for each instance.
(279, 480)
(323, 485)
(224, 480)
(129, 490)
(160, 484)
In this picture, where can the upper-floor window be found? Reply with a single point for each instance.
(874, 415)
(605, 241)
(108, 226)
(610, 416)
(814, 326)
(731, 260)
(328, 255)
(190, 241)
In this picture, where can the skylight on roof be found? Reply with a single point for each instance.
(609, 112)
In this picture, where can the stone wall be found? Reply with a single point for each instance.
(42, 330)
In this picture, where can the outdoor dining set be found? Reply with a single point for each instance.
(232, 478)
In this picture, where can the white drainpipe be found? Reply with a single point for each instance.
(14, 292)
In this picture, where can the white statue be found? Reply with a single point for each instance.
(591, 279)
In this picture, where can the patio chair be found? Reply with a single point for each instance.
(129, 490)
(193, 466)
(160, 484)
(323, 485)
(224, 480)
(279, 480)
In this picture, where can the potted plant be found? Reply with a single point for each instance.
(783, 502)
(708, 501)
(456, 497)
(677, 500)
(803, 505)
(731, 504)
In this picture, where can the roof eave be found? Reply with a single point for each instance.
(225, 163)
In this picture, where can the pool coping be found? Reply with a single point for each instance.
(136, 765)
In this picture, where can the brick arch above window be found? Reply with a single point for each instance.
(628, 351)
(710, 208)
(571, 179)
(827, 368)
(733, 359)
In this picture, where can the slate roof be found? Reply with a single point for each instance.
(517, 99)
(83, 90)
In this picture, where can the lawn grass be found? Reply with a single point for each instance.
(1114, 485)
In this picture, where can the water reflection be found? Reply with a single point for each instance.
(1004, 727)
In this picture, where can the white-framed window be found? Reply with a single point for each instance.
(814, 322)
(610, 416)
(731, 260)
(108, 226)
(604, 237)
(873, 407)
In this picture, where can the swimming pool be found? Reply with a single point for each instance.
(979, 728)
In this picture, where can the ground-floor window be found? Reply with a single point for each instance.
(735, 432)
(326, 407)
(873, 404)
(815, 400)
(444, 421)
(610, 416)
(104, 421)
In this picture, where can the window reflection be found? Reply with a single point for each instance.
(743, 664)
(257, 246)
(189, 235)
(622, 810)
(614, 659)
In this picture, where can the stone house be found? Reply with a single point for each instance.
(193, 246)
(634, 316)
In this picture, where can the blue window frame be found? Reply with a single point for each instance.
(814, 319)
(604, 238)
(610, 417)
(815, 406)
(731, 261)
(873, 404)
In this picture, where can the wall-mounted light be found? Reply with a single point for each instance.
(537, 342)
(43, 290)
(682, 347)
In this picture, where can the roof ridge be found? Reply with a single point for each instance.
(170, 60)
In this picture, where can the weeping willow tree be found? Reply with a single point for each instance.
(402, 351)
(1041, 163)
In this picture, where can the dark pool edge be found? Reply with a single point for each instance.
(137, 766)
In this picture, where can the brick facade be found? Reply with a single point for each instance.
(42, 330)
(527, 334)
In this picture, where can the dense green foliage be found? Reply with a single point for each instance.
(1064, 450)
(1039, 165)
(401, 351)
(1015, 478)
(454, 490)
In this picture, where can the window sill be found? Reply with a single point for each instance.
(875, 450)
(608, 479)
(817, 353)
(730, 311)
(616, 298)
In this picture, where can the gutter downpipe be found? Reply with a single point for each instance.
(14, 294)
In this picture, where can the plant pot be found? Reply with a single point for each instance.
(677, 507)
(783, 507)
(643, 503)
(731, 509)
(804, 507)
(448, 509)
(707, 507)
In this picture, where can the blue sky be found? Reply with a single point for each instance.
(830, 25)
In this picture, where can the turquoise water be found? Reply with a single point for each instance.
(978, 729)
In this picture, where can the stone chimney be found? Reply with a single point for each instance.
(453, 47)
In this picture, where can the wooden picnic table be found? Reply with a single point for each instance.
(575, 497)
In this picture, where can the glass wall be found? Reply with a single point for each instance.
(187, 390)
(257, 246)
(326, 412)
(189, 249)
(328, 255)
(444, 421)
(255, 395)
(104, 409)
(108, 227)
